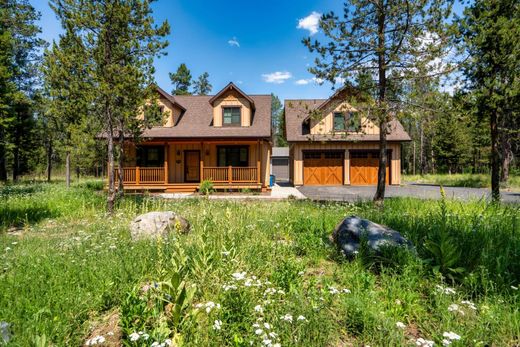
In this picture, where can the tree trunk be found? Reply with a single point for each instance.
(111, 197)
(121, 187)
(507, 156)
(3, 169)
(495, 158)
(16, 161)
(67, 168)
(421, 149)
(383, 122)
(49, 160)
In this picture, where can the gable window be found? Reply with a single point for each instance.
(150, 156)
(231, 116)
(339, 121)
(354, 122)
(233, 156)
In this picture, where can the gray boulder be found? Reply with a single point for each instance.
(157, 224)
(348, 234)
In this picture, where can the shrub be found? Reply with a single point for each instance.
(206, 187)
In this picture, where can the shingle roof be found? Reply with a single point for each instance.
(296, 111)
(196, 121)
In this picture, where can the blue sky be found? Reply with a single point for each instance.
(246, 42)
(255, 44)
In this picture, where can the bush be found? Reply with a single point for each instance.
(206, 187)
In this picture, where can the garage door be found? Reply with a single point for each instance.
(280, 168)
(364, 166)
(322, 168)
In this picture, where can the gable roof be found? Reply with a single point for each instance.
(298, 110)
(231, 86)
(196, 119)
(169, 97)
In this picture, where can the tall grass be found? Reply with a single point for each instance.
(461, 180)
(73, 264)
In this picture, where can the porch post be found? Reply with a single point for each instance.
(230, 174)
(137, 175)
(201, 159)
(166, 163)
(258, 169)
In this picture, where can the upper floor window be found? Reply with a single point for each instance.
(349, 122)
(231, 116)
(339, 121)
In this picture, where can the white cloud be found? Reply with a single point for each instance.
(311, 22)
(277, 77)
(302, 82)
(234, 42)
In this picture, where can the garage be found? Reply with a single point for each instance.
(280, 163)
(323, 168)
(364, 166)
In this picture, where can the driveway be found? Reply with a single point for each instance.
(422, 191)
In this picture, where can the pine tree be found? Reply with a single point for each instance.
(278, 121)
(120, 40)
(202, 86)
(490, 31)
(181, 80)
(391, 39)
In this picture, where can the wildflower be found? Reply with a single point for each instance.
(287, 318)
(453, 307)
(266, 342)
(112, 247)
(301, 273)
(237, 276)
(7, 249)
(259, 331)
(225, 253)
(145, 336)
(14, 243)
(446, 342)
(333, 291)
(424, 343)
(267, 326)
(451, 335)
(227, 287)
(445, 290)
(217, 325)
(346, 291)
(469, 304)
(256, 325)
(98, 340)
(259, 308)
(400, 325)
(155, 344)
(302, 318)
(276, 345)
(168, 342)
(134, 337)
(273, 335)
(514, 288)
(110, 333)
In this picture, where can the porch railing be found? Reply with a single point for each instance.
(230, 174)
(142, 175)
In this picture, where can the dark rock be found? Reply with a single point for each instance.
(348, 234)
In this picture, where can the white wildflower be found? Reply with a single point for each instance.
(112, 247)
(400, 325)
(217, 325)
(225, 253)
(267, 326)
(302, 318)
(259, 331)
(346, 291)
(424, 343)
(301, 273)
(333, 291)
(7, 249)
(446, 342)
(273, 335)
(514, 287)
(267, 342)
(469, 304)
(451, 335)
(98, 340)
(145, 336)
(259, 308)
(256, 325)
(227, 287)
(134, 337)
(238, 276)
(288, 318)
(168, 342)
(453, 307)
(155, 344)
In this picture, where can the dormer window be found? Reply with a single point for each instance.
(339, 121)
(231, 116)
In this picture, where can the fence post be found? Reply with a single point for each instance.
(230, 175)
(201, 170)
(137, 175)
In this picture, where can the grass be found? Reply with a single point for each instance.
(246, 264)
(460, 180)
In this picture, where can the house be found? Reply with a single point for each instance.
(332, 143)
(280, 163)
(225, 138)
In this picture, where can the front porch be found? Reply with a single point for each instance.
(181, 166)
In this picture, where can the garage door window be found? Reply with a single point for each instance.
(312, 155)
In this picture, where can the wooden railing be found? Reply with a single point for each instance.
(143, 175)
(229, 174)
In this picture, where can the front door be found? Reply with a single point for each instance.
(191, 166)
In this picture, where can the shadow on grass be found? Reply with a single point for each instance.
(13, 216)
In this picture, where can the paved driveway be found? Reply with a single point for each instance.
(347, 193)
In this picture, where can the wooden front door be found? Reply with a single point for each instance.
(191, 166)
(364, 166)
(322, 168)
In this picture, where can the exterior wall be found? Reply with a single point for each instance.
(171, 113)
(325, 125)
(296, 162)
(232, 98)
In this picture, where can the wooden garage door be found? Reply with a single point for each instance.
(322, 168)
(364, 166)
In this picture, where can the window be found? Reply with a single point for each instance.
(339, 121)
(354, 122)
(150, 156)
(231, 116)
(233, 156)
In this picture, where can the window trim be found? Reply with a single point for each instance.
(233, 146)
(239, 107)
(344, 123)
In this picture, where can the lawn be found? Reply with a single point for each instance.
(461, 180)
(254, 273)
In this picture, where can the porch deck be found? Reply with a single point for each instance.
(156, 178)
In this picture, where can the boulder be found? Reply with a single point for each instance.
(157, 224)
(348, 234)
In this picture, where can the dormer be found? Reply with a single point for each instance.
(232, 108)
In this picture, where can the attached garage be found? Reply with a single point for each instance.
(323, 168)
(280, 163)
(364, 166)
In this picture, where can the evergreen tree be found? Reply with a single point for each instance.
(390, 38)
(278, 121)
(490, 31)
(119, 40)
(202, 86)
(181, 80)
